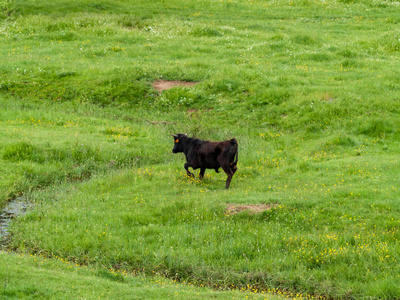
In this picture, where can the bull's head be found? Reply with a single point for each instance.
(178, 147)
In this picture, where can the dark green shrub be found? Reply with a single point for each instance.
(19, 151)
(376, 128)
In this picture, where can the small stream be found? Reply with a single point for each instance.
(13, 209)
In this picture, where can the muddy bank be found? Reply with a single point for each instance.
(13, 209)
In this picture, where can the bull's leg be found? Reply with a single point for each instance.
(187, 170)
(228, 181)
(229, 172)
(202, 171)
(233, 167)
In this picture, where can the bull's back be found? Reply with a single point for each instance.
(208, 155)
(215, 154)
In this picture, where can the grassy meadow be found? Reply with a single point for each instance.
(309, 88)
(26, 276)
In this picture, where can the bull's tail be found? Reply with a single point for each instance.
(235, 150)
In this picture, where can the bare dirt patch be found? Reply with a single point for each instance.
(161, 85)
(233, 209)
(160, 122)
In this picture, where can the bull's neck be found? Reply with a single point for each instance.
(189, 145)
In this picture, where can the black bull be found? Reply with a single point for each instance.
(208, 155)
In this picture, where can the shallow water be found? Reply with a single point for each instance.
(13, 209)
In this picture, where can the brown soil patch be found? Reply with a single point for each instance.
(161, 85)
(160, 122)
(233, 209)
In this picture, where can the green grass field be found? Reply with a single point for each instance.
(310, 89)
(32, 277)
